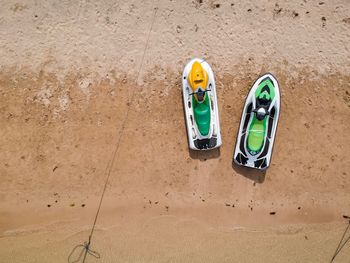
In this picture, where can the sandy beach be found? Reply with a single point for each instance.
(71, 71)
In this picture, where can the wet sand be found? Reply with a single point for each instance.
(67, 75)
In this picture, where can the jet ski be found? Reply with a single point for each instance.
(201, 106)
(258, 125)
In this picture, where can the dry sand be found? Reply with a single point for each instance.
(67, 73)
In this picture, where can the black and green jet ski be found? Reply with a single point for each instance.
(258, 125)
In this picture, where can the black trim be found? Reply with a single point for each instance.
(250, 107)
(258, 163)
(266, 87)
(205, 143)
(247, 117)
(266, 149)
(238, 158)
(273, 112)
(269, 127)
(241, 145)
(262, 103)
(267, 78)
(241, 159)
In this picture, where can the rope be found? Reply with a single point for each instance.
(340, 245)
(85, 247)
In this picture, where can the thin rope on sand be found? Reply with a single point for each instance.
(85, 247)
(341, 243)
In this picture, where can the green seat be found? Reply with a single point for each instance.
(256, 134)
(202, 115)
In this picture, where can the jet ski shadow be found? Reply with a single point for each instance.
(255, 175)
(205, 155)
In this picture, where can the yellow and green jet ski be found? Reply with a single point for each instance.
(258, 126)
(201, 106)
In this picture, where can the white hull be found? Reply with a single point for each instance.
(195, 139)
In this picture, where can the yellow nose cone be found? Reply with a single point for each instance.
(198, 76)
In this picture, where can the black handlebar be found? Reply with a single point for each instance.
(204, 91)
